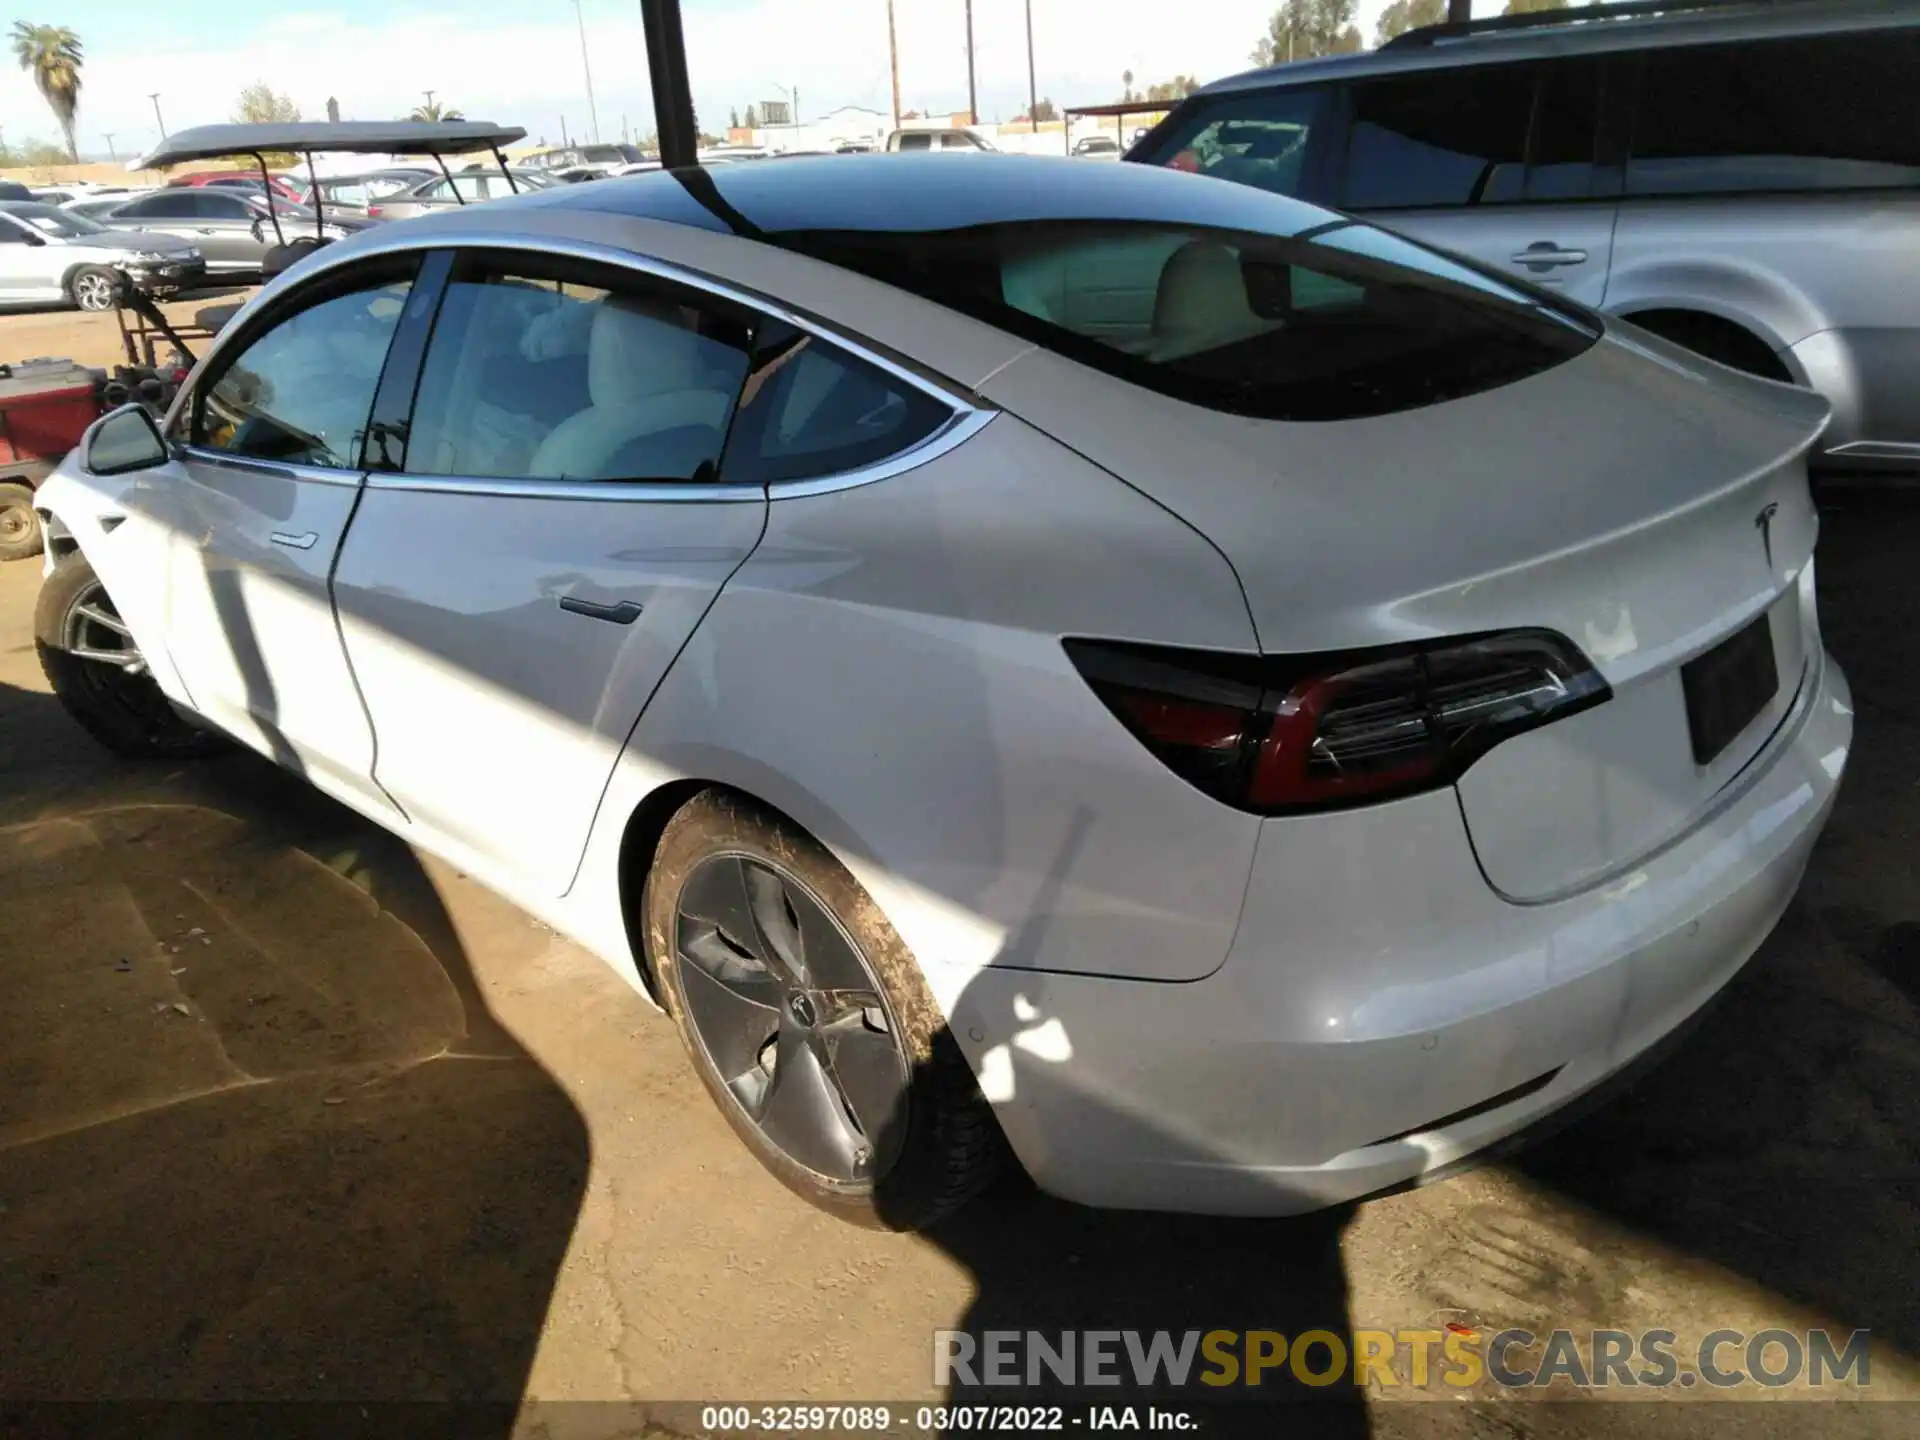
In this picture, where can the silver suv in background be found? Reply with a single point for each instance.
(1743, 179)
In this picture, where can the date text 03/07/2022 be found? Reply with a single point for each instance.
(941, 1419)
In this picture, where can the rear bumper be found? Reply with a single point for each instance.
(1383, 1015)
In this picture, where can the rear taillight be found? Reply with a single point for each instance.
(1316, 732)
(374, 212)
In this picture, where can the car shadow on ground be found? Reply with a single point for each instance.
(1782, 1139)
(260, 1137)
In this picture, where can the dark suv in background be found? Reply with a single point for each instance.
(1741, 178)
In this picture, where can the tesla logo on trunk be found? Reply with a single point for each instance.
(1763, 522)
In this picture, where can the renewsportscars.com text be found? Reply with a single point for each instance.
(1454, 1356)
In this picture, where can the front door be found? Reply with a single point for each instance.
(517, 583)
(230, 232)
(270, 470)
(1497, 163)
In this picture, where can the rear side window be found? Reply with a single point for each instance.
(1834, 113)
(1264, 140)
(810, 409)
(1349, 322)
(1454, 137)
(567, 374)
(920, 141)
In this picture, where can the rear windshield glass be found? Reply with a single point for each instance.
(1344, 322)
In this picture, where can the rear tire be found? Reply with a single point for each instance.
(123, 709)
(20, 537)
(879, 1047)
(92, 288)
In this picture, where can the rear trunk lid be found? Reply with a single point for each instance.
(1644, 503)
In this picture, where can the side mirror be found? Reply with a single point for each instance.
(259, 228)
(33, 239)
(125, 440)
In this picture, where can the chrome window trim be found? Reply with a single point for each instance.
(272, 469)
(968, 415)
(560, 488)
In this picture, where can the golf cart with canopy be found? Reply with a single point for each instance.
(141, 320)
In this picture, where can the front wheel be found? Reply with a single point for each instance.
(99, 675)
(809, 1021)
(19, 526)
(93, 287)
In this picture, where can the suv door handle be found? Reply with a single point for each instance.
(302, 541)
(1544, 255)
(622, 612)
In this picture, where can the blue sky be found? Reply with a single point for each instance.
(520, 63)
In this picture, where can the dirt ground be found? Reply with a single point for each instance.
(30, 332)
(288, 1111)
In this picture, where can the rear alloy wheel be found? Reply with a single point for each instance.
(92, 287)
(808, 1021)
(19, 526)
(89, 658)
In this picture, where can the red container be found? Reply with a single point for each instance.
(45, 407)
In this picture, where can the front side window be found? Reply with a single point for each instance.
(1453, 137)
(1264, 140)
(1833, 113)
(211, 204)
(161, 207)
(810, 409)
(300, 392)
(537, 373)
(11, 233)
(1352, 321)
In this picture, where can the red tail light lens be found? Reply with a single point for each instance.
(1294, 733)
(374, 212)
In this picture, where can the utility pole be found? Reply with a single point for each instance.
(973, 106)
(155, 97)
(107, 135)
(1032, 120)
(893, 62)
(593, 113)
(1459, 11)
(429, 105)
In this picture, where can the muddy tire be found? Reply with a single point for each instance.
(92, 288)
(123, 709)
(20, 537)
(809, 1022)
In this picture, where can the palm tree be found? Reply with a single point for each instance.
(434, 110)
(52, 53)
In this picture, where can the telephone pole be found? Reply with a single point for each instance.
(155, 97)
(108, 135)
(593, 111)
(973, 106)
(893, 63)
(1033, 122)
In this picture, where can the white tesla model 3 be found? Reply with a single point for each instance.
(1227, 704)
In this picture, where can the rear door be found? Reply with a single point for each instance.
(1501, 163)
(544, 536)
(269, 471)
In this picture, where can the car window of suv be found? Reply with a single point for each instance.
(1831, 113)
(920, 140)
(300, 391)
(538, 372)
(809, 409)
(1265, 140)
(11, 232)
(1351, 321)
(1453, 137)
